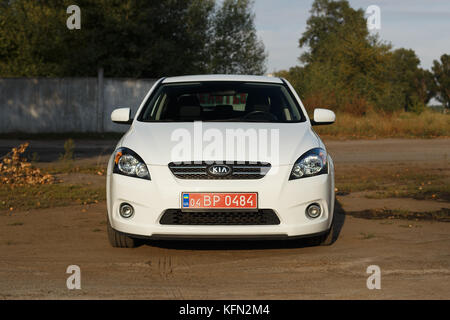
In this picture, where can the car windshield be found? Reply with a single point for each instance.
(222, 101)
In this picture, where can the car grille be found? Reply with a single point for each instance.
(239, 170)
(260, 217)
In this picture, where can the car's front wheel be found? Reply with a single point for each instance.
(326, 239)
(120, 240)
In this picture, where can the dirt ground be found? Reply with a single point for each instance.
(37, 246)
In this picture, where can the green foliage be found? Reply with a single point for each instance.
(417, 106)
(344, 68)
(127, 38)
(348, 69)
(235, 48)
(442, 77)
(28, 30)
(69, 148)
(414, 85)
(331, 21)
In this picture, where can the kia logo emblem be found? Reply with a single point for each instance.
(219, 170)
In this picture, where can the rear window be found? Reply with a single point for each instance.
(222, 101)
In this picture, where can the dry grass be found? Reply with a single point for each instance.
(395, 181)
(17, 171)
(439, 215)
(59, 167)
(48, 196)
(373, 125)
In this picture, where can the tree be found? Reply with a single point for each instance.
(348, 69)
(235, 47)
(343, 62)
(27, 38)
(140, 39)
(128, 38)
(331, 20)
(441, 72)
(424, 85)
(404, 68)
(296, 77)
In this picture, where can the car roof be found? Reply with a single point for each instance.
(222, 77)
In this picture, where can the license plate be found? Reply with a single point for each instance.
(219, 200)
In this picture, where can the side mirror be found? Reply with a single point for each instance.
(323, 117)
(121, 116)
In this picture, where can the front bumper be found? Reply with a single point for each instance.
(288, 199)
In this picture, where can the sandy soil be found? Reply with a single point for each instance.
(414, 258)
(37, 246)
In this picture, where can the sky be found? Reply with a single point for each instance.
(421, 25)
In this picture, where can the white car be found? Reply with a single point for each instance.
(220, 157)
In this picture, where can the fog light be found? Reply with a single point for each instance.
(126, 210)
(313, 210)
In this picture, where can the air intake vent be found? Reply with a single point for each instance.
(260, 217)
(219, 170)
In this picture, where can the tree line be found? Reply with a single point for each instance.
(129, 38)
(347, 68)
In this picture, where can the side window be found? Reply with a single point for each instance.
(292, 113)
(161, 106)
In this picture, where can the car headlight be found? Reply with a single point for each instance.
(128, 163)
(311, 163)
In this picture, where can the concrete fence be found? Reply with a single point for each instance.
(53, 105)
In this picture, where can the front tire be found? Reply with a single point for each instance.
(119, 240)
(326, 239)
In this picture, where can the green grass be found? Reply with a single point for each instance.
(46, 196)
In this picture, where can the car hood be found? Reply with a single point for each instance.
(165, 142)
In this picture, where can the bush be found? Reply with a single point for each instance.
(417, 106)
(69, 147)
(378, 124)
(17, 171)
